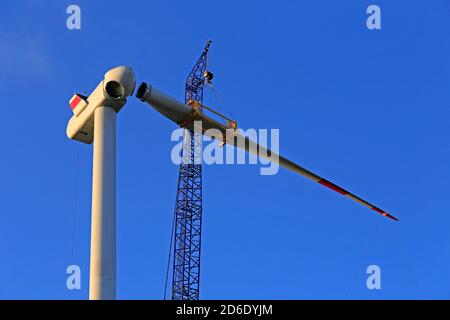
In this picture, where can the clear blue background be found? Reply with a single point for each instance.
(370, 110)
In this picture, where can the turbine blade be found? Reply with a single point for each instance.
(252, 147)
(187, 117)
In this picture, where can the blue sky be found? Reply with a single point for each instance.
(370, 110)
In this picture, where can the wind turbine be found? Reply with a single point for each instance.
(94, 120)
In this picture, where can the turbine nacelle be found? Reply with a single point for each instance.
(117, 85)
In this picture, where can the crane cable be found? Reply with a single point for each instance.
(208, 83)
(219, 100)
(75, 206)
(169, 257)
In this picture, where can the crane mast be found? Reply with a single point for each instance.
(188, 206)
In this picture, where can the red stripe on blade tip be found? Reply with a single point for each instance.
(332, 186)
(384, 213)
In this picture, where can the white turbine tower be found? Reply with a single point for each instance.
(95, 120)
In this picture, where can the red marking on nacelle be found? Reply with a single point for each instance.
(75, 101)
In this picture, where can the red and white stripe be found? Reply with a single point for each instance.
(344, 192)
(330, 185)
(74, 101)
(77, 104)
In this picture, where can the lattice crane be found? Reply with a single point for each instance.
(188, 206)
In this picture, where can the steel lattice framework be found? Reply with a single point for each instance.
(188, 207)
